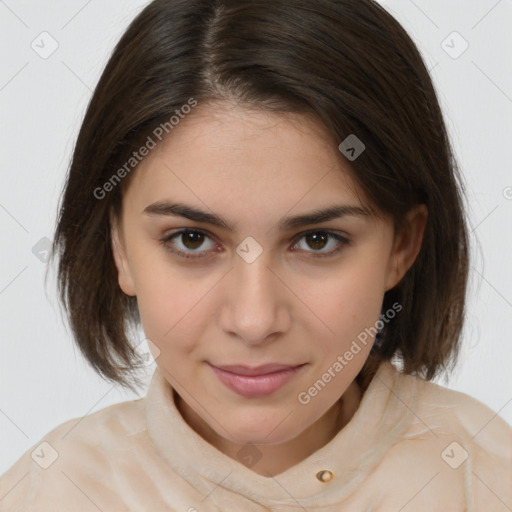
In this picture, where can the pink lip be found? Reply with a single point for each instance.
(255, 382)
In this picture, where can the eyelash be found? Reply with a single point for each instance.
(165, 243)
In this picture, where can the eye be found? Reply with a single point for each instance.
(321, 239)
(189, 240)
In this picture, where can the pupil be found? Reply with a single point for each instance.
(189, 239)
(316, 238)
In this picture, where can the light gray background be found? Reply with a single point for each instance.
(44, 379)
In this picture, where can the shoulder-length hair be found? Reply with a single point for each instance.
(347, 62)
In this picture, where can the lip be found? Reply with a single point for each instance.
(263, 369)
(256, 381)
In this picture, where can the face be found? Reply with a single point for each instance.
(255, 288)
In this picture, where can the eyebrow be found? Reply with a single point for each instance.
(318, 216)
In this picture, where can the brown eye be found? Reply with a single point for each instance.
(192, 239)
(187, 242)
(318, 240)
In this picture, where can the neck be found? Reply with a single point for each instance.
(278, 458)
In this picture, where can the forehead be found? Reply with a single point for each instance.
(238, 160)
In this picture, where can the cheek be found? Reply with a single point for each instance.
(349, 304)
(168, 303)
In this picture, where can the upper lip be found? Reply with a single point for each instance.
(256, 370)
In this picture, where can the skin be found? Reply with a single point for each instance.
(253, 168)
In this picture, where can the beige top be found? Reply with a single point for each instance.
(411, 446)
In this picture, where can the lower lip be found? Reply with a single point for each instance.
(253, 386)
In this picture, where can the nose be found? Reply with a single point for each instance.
(256, 308)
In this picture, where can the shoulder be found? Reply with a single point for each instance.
(82, 446)
(455, 412)
(458, 438)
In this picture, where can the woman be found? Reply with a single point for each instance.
(268, 188)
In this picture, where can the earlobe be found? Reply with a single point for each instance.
(407, 245)
(124, 276)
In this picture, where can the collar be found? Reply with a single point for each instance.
(385, 411)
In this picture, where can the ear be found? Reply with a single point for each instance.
(124, 275)
(407, 245)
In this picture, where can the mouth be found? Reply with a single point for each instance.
(256, 381)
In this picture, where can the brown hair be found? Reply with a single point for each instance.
(347, 62)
